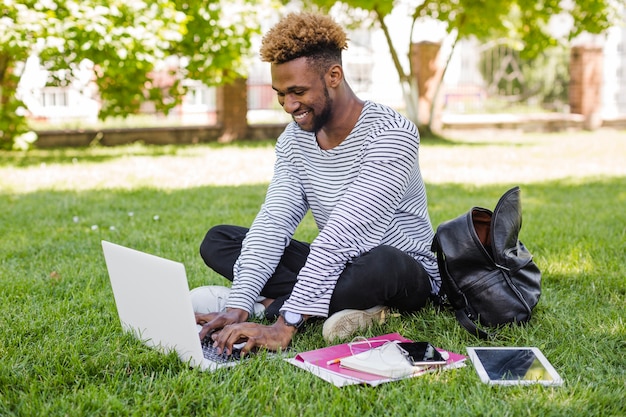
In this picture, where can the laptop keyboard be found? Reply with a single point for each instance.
(211, 354)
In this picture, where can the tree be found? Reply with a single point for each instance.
(126, 43)
(523, 23)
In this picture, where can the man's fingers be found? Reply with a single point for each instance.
(233, 334)
(202, 318)
(227, 337)
(213, 322)
(251, 343)
(206, 330)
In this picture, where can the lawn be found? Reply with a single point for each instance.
(62, 350)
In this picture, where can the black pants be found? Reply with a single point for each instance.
(383, 276)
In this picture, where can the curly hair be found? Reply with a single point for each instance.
(315, 36)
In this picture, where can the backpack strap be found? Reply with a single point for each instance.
(463, 314)
(463, 317)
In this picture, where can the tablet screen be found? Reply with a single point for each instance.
(513, 366)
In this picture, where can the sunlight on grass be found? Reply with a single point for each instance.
(497, 157)
(477, 158)
(573, 262)
(177, 168)
(616, 327)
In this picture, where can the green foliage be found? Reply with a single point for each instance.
(594, 16)
(14, 46)
(12, 124)
(216, 54)
(124, 44)
(482, 19)
(522, 24)
(517, 20)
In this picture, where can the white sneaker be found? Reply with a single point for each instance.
(213, 298)
(345, 323)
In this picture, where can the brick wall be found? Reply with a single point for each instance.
(153, 136)
(585, 89)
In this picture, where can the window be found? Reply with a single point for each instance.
(54, 97)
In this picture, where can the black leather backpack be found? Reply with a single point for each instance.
(488, 276)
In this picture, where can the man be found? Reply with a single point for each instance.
(354, 164)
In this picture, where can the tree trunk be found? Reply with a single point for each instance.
(12, 124)
(427, 73)
(232, 110)
(585, 87)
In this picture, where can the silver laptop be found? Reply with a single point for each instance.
(153, 302)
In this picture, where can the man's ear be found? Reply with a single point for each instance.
(334, 76)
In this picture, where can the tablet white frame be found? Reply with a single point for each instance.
(484, 377)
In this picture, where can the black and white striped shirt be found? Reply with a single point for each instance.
(365, 192)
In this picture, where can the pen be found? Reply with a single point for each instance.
(334, 361)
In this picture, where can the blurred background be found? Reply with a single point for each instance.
(94, 65)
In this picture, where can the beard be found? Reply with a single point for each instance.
(319, 120)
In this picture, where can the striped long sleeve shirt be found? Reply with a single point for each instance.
(365, 192)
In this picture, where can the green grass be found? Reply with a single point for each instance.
(62, 350)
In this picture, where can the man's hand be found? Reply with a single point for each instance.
(274, 337)
(215, 321)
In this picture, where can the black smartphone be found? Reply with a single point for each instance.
(421, 353)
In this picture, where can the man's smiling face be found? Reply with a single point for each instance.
(302, 92)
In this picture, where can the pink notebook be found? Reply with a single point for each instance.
(324, 363)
